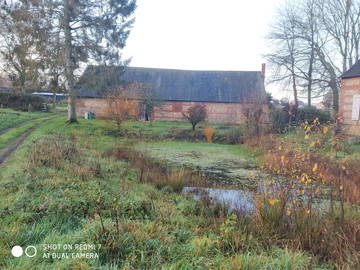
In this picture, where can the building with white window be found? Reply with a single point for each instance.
(349, 109)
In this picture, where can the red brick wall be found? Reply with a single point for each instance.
(228, 113)
(98, 105)
(349, 88)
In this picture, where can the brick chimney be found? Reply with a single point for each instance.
(263, 68)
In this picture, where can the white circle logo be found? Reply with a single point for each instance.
(30, 251)
(17, 251)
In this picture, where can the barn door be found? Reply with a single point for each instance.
(356, 107)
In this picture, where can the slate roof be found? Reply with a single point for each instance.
(175, 85)
(354, 71)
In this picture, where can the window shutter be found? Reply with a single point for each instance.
(356, 107)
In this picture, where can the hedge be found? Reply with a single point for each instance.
(280, 117)
(21, 102)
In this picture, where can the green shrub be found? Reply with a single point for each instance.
(280, 118)
(234, 135)
(311, 113)
(21, 102)
(186, 135)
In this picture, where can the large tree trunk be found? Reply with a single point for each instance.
(293, 75)
(333, 78)
(69, 72)
(296, 100)
(310, 73)
(54, 99)
(335, 93)
(311, 65)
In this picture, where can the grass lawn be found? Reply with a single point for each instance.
(199, 154)
(10, 118)
(11, 135)
(159, 128)
(88, 197)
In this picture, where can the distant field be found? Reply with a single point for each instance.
(10, 118)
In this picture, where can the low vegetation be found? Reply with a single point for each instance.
(92, 192)
(84, 184)
(167, 130)
(21, 102)
(10, 118)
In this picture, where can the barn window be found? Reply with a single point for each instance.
(356, 107)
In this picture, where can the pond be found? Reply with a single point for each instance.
(238, 200)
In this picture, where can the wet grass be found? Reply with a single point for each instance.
(197, 154)
(138, 225)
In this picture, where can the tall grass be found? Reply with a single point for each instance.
(156, 172)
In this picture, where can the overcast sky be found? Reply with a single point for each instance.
(201, 34)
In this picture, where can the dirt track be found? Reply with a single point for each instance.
(16, 126)
(6, 152)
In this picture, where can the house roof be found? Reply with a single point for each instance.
(354, 71)
(175, 85)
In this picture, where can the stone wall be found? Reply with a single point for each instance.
(349, 88)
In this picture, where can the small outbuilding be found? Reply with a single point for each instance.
(349, 106)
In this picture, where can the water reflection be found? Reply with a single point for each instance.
(234, 199)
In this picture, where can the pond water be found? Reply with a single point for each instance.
(234, 199)
(243, 201)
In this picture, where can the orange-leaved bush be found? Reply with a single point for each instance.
(209, 133)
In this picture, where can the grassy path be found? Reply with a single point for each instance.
(12, 119)
(18, 125)
(12, 139)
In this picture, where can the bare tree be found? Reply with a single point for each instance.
(195, 114)
(325, 35)
(149, 100)
(122, 104)
(253, 110)
(284, 60)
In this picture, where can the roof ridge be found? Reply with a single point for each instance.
(353, 71)
(190, 70)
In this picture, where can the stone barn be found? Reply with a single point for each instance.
(349, 105)
(222, 92)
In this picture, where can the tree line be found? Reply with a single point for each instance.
(46, 43)
(312, 43)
